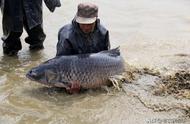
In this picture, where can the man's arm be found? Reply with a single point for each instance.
(64, 46)
(107, 41)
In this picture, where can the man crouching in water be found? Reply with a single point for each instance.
(84, 35)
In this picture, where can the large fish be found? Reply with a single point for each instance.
(83, 70)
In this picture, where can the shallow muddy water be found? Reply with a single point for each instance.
(153, 34)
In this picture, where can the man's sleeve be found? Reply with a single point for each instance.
(107, 41)
(64, 46)
(52, 4)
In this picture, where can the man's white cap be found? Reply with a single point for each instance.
(87, 13)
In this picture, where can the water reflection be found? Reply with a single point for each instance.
(58, 95)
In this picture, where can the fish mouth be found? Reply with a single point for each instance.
(31, 75)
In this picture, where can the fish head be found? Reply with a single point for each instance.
(44, 73)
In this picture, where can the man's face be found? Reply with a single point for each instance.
(87, 28)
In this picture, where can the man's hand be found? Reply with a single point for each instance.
(52, 4)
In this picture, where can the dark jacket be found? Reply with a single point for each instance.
(71, 40)
(12, 13)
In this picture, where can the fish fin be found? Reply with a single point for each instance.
(50, 75)
(61, 85)
(50, 60)
(112, 52)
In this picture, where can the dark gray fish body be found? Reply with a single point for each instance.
(89, 70)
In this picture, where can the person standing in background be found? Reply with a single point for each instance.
(17, 14)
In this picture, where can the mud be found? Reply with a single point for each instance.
(159, 91)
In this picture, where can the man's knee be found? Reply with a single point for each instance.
(36, 35)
